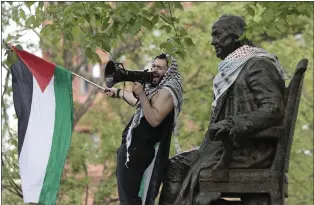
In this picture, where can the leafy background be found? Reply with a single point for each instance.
(133, 33)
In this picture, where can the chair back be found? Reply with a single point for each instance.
(292, 101)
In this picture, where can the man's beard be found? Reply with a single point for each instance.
(156, 84)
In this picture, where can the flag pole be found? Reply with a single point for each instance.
(88, 81)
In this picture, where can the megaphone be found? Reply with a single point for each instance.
(116, 73)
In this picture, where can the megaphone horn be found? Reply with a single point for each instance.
(115, 74)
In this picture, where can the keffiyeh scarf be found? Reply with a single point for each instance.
(232, 65)
(171, 82)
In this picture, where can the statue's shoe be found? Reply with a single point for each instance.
(206, 198)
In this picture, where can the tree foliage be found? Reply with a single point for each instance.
(137, 31)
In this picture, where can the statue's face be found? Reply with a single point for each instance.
(223, 42)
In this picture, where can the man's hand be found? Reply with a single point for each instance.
(137, 88)
(221, 129)
(111, 92)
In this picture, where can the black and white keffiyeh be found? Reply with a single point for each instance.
(232, 65)
(172, 82)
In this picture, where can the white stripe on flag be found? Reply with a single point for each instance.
(37, 142)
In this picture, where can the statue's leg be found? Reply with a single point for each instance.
(169, 192)
(252, 199)
(206, 198)
(177, 168)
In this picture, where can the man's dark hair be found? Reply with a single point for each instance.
(163, 56)
(235, 26)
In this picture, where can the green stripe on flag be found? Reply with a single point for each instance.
(61, 136)
(146, 174)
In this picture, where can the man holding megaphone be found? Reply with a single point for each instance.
(144, 151)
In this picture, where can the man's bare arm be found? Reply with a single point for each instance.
(112, 92)
(128, 97)
(162, 104)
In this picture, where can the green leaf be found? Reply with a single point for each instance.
(22, 14)
(136, 27)
(68, 10)
(243, 35)
(178, 5)
(12, 58)
(167, 46)
(268, 15)
(38, 12)
(180, 53)
(81, 20)
(188, 41)
(97, 16)
(272, 31)
(175, 20)
(69, 36)
(9, 38)
(80, 10)
(40, 4)
(55, 40)
(282, 25)
(15, 15)
(155, 20)
(29, 3)
(178, 41)
(182, 32)
(31, 20)
(146, 13)
(166, 27)
(105, 23)
(89, 52)
(147, 23)
(106, 45)
(46, 30)
(96, 58)
(308, 12)
(166, 19)
(302, 8)
(250, 11)
(76, 31)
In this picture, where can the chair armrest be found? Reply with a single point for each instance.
(272, 132)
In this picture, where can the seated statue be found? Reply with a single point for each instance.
(249, 94)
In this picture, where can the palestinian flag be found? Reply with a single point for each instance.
(42, 96)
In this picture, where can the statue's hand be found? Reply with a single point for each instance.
(222, 129)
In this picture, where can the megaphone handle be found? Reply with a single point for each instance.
(134, 92)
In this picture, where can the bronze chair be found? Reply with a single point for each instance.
(272, 181)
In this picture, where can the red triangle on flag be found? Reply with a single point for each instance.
(41, 69)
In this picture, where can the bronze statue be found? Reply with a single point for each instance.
(249, 96)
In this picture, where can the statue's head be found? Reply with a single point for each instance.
(225, 35)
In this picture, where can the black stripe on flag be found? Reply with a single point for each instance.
(22, 86)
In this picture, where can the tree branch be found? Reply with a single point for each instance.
(202, 86)
(12, 191)
(16, 189)
(125, 48)
(194, 75)
(88, 102)
(81, 111)
(86, 14)
(172, 21)
(86, 186)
